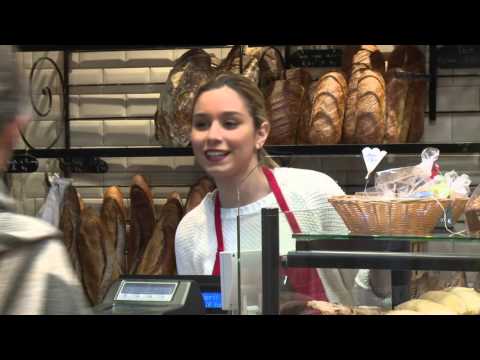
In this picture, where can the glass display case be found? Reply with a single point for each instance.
(360, 273)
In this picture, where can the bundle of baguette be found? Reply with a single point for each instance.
(90, 246)
(124, 241)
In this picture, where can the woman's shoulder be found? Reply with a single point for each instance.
(307, 181)
(301, 175)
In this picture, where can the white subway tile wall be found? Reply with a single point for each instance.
(104, 113)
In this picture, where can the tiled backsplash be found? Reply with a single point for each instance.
(105, 114)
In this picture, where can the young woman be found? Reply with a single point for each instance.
(230, 127)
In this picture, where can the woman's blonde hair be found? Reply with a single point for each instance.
(253, 98)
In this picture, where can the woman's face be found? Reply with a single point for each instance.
(224, 139)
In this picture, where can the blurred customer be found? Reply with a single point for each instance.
(36, 276)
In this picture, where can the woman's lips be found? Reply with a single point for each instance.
(216, 155)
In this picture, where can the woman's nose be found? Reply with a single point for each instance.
(214, 132)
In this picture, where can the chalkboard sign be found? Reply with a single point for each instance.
(458, 56)
(316, 58)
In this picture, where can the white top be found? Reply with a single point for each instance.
(306, 193)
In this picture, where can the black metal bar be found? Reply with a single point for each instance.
(287, 56)
(400, 287)
(270, 262)
(432, 90)
(281, 150)
(66, 111)
(457, 75)
(456, 112)
(107, 152)
(347, 149)
(383, 260)
(101, 48)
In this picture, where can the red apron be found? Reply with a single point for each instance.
(303, 280)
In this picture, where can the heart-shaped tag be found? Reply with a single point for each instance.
(372, 157)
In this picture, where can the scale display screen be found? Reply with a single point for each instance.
(146, 291)
(212, 299)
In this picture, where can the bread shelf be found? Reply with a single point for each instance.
(274, 151)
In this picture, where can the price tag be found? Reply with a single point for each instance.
(372, 158)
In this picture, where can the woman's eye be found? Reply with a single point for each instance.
(230, 124)
(200, 124)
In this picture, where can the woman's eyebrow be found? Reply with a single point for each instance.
(201, 115)
(229, 113)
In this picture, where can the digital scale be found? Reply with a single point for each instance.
(162, 295)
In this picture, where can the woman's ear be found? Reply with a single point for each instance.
(262, 134)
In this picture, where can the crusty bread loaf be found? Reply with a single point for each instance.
(284, 107)
(142, 220)
(350, 121)
(249, 64)
(271, 66)
(418, 93)
(197, 192)
(92, 254)
(303, 78)
(173, 119)
(359, 62)
(70, 225)
(397, 90)
(368, 310)
(426, 307)
(472, 214)
(470, 298)
(370, 109)
(328, 98)
(448, 299)
(326, 308)
(113, 216)
(411, 59)
(159, 255)
(170, 217)
(403, 312)
(357, 57)
(299, 76)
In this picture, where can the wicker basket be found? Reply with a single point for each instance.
(365, 215)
